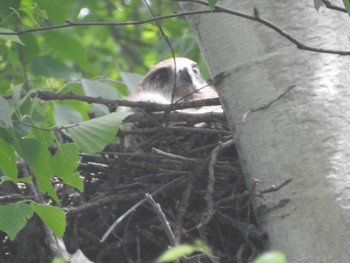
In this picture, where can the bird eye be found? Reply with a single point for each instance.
(195, 68)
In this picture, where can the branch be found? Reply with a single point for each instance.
(82, 24)
(162, 218)
(256, 17)
(330, 5)
(166, 186)
(217, 9)
(148, 106)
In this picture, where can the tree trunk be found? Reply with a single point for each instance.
(305, 135)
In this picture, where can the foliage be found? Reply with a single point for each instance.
(86, 60)
(182, 250)
(271, 257)
(347, 5)
(212, 3)
(318, 4)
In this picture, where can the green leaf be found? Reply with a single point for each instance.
(32, 48)
(13, 38)
(131, 80)
(57, 11)
(6, 7)
(212, 3)
(5, 114)
(38, 158)
(14, 217)
(58, 260)
(347, 5)
(47, 66)
(318, 4)
(65, 46)
(32, 12)
(177, 252)
(64, 164)
(202, 247)
(52, 216)
(8, 160)
(271, 257)
(95, 88)
(7, 135)
(93, 135)
(66, 114)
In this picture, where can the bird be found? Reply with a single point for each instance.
(173, 80)
(168, 82)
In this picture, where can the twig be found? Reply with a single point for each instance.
(181, 211)
(130, 210)
(162, 218)
(166, 39)
(263, 107)
(177, 129)
(57, 128)
(190, 118)
(211, 182)
(174, 156)
(275, 188)
(82, 24)
(148, 106)
(267, 105)
(330, 5)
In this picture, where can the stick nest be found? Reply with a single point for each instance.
(188, 164)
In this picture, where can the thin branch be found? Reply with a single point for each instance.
(263, 107)
(148, 106)
(133, 208)
(56, 128)
(165, 223)
(330, 5)
(217, 9)
(267, 105)
(256, 17)
(82, 24)
(275, 188)
(174, 156)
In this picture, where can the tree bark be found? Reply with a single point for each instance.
(305, 135)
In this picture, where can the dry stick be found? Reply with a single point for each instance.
(166, 226)
(177, 129)
(211, 182)
(162, 218)
(181, 211)
(130, 210)
(149, 106)
(191, 118)
(165, 127)
(174, 156)
(275, 188)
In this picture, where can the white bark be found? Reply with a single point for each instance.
(305, 135)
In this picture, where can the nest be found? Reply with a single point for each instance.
(186, 163)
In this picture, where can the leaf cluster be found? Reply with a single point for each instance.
(94, 61)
